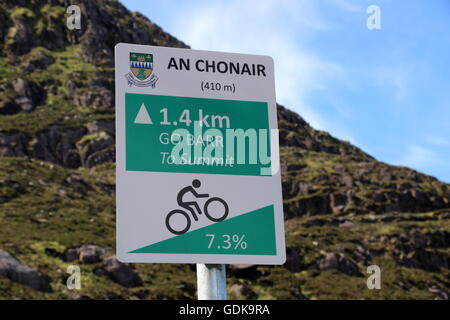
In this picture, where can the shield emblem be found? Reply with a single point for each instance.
(141, 65)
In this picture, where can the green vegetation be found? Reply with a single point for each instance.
(337, 199)
(59, 208)
(58, 108)
(20, 13)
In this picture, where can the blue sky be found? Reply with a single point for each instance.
(386, 91)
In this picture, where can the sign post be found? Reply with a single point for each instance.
(211, 282)
(197, 161)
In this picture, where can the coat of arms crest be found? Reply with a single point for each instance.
(141, 66)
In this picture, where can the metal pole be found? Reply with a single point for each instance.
(211, 282)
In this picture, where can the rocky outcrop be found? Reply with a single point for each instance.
(248, 271)
(339, 262)
(344, 210)
(241, 290)
(413, 257)
(91, 253)
(20, 95)
(30, 95)
(41, 60)
(421, 250)
(103, 32)
(308, 190)
(70, 147)
(11, 268)
(20, 37)
(71, 254)
(121, 273)
(100, 29)
(359, 186)
(294, 262)
(4, 24)
(57, 145)
(87, 254)
(13, 145)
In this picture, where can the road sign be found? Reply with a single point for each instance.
(198, 178)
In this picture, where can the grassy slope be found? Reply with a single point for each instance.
(56, 208)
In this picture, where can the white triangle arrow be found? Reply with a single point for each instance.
(143, 116)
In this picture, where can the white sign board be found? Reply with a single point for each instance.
(198, 175)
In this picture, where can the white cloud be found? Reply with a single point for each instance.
(280, 29)
(419, 157)
(437, 140)
(349, 6)
(395, 80)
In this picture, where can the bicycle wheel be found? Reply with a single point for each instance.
(221, 218)
(188, 221)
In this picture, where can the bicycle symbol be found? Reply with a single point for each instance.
(190, 206)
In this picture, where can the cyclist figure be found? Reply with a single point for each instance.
(190, 205)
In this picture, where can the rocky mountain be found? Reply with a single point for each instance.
(344, 210)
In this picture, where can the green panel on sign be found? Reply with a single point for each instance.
(217, 136)
(252, 233)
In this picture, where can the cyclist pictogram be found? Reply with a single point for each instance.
(193, 208)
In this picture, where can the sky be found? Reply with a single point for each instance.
(386, 90)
